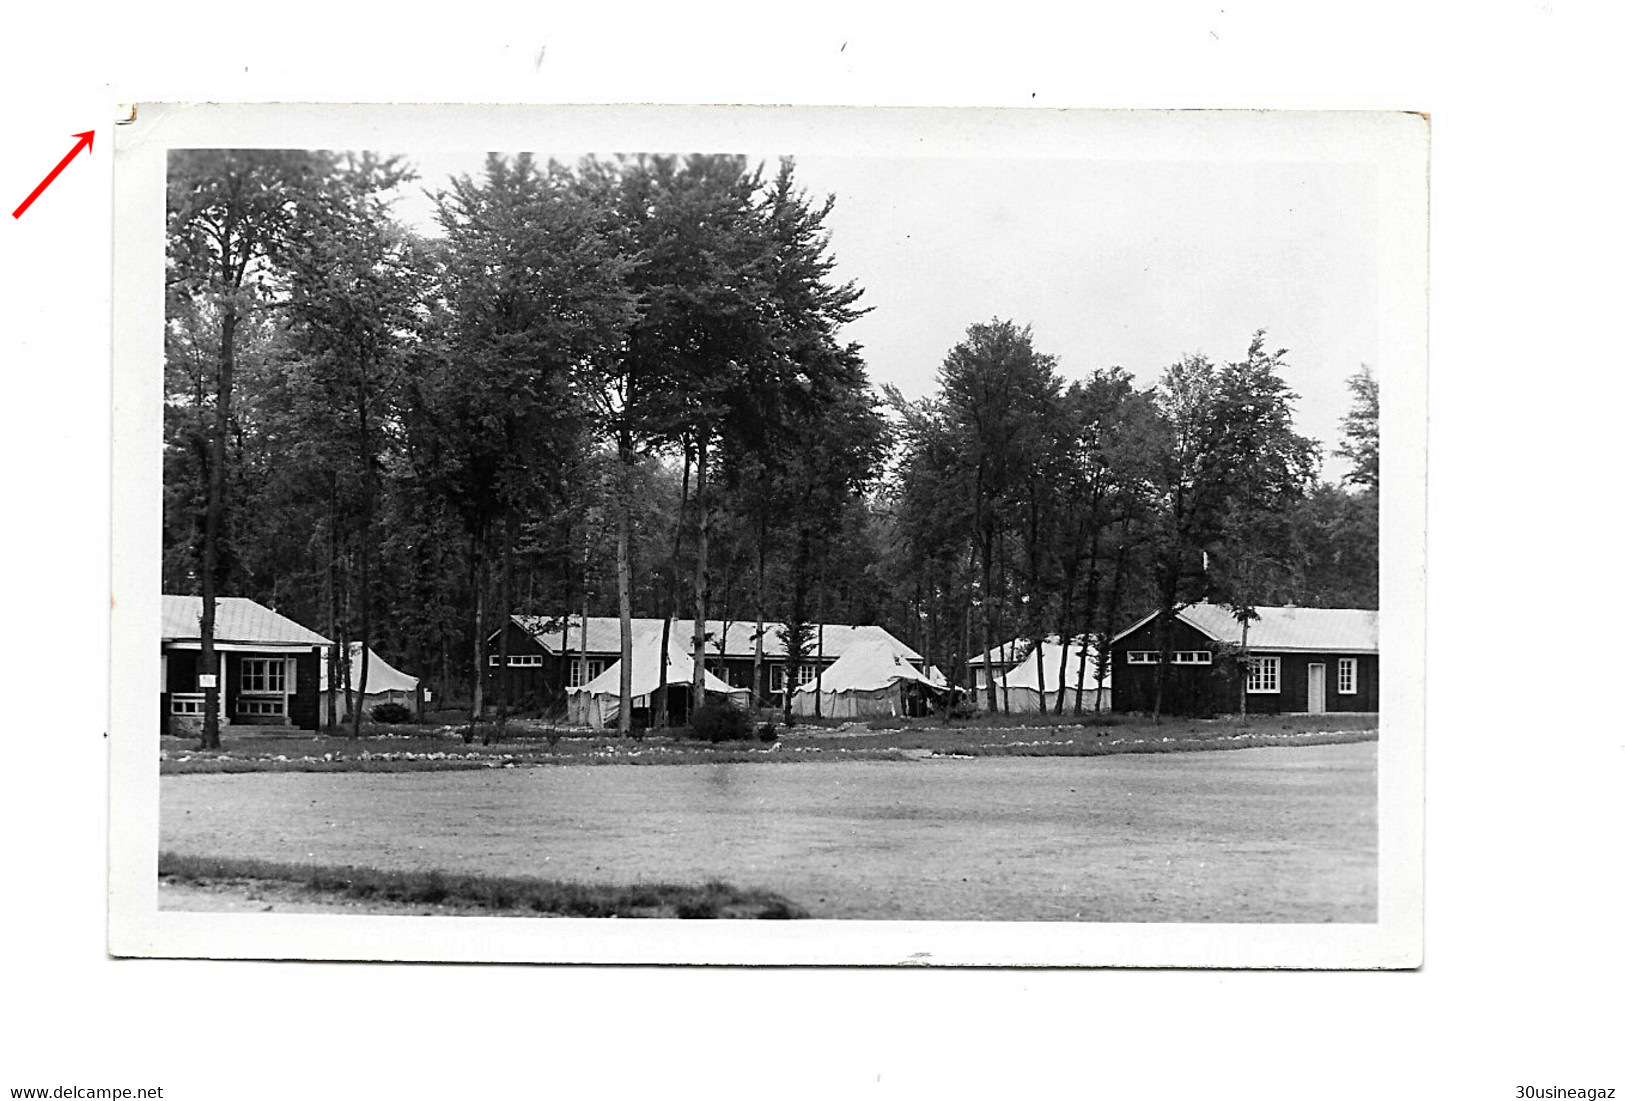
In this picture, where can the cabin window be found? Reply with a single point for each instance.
(1145, 657)
(582, 672)
(260, 707)
(496, 660)
(1264, 675)
(524, 659)
(806, 674)
(775, 678)
(1348, 676)
(265, 676)
(1193, 657)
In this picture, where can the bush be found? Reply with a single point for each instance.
(391, 713)
(767, 732)
(720, 721)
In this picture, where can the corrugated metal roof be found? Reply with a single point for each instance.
(1343, 630)
(236, 619)
(1005, 653)
(604, 635)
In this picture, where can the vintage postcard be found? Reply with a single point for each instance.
(792, 536)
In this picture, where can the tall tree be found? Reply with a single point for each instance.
(353, 293)
(996, 390)
(1361, 431)
(536, 286)
(229, 212)
(1261, 468)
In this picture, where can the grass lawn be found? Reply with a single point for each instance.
(461, 892)
(530, 743)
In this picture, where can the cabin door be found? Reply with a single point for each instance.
(1317, 689)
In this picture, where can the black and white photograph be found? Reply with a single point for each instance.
(774, 535)
(852, 551)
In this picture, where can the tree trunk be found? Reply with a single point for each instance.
(364, 541)
(701, 541)
(1002, 698)
(366, 642)
(336, 662)
(930, 612)
(818, 665)
(585, 668)
(757, 670)
(1245, 622)
(623, 581)
(504, 617)
(561, 691)
(1103, 653)
(795, 634)
(662, 712)
(477, 570)
(1091, 601)
(209, 658)
(987, 626)
(1038, 648)
(1165, 634)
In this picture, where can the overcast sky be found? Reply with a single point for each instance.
(1111, 263)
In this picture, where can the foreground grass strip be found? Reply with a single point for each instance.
(502, 894)
(881, 740)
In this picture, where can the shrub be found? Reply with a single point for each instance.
(767, 732)
(720, 721)
(391, 713)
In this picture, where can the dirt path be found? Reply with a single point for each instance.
(1249, 835)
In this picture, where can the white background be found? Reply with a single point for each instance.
(1524, 739)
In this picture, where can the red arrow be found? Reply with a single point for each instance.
(85, 140)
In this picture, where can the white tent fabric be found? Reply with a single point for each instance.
(598, 702)
(1019, 688)
(870, 679)
(385, 683)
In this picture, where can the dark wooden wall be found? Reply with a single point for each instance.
(1208, 690)
(304, 706)
(530, 687)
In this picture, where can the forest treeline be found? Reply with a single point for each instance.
(620, 387)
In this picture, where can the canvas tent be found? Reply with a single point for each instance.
(1018, 691)
(871, 679)
(385, 684)
(598, 702)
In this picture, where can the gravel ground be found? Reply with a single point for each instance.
(1255, 835)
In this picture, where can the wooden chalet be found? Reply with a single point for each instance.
(271, 667)
(547, 655)
(1300, 660)
(1003, 658)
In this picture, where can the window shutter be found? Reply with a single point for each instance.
(293, 666)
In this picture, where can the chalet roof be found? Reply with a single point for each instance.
(604, 635)
(1340, 630)
(1025, 675)
(236, 619)
(870, 664)
(1005, 653)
